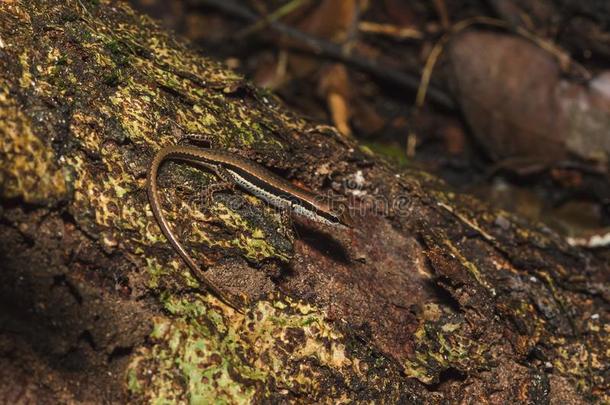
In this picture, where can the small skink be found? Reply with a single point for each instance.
(253, 178)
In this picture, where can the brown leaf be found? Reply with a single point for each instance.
(332, 19)
(518, 107)
(505, 86)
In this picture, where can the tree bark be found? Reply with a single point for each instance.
(432, 297)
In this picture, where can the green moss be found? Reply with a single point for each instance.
(133, 385)
(585, 359)
(113, 78)
(204, 353)
(440, 344)
(29, 170)
(394, 153)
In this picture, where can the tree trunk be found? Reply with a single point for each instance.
(431, 297)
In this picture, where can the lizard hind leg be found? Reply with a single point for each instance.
(207, 196)
(226, 184)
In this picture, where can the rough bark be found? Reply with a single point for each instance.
(433, 297)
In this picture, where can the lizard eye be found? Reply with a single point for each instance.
(341, 212)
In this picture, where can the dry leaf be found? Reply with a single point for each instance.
(518, 106)
(332, 19)
(505, 86)
(334, 87)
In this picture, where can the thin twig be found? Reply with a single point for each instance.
(389, 30)
(274, 16)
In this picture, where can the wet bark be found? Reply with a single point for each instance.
(431, 297)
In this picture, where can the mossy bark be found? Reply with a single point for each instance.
(432, 297)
